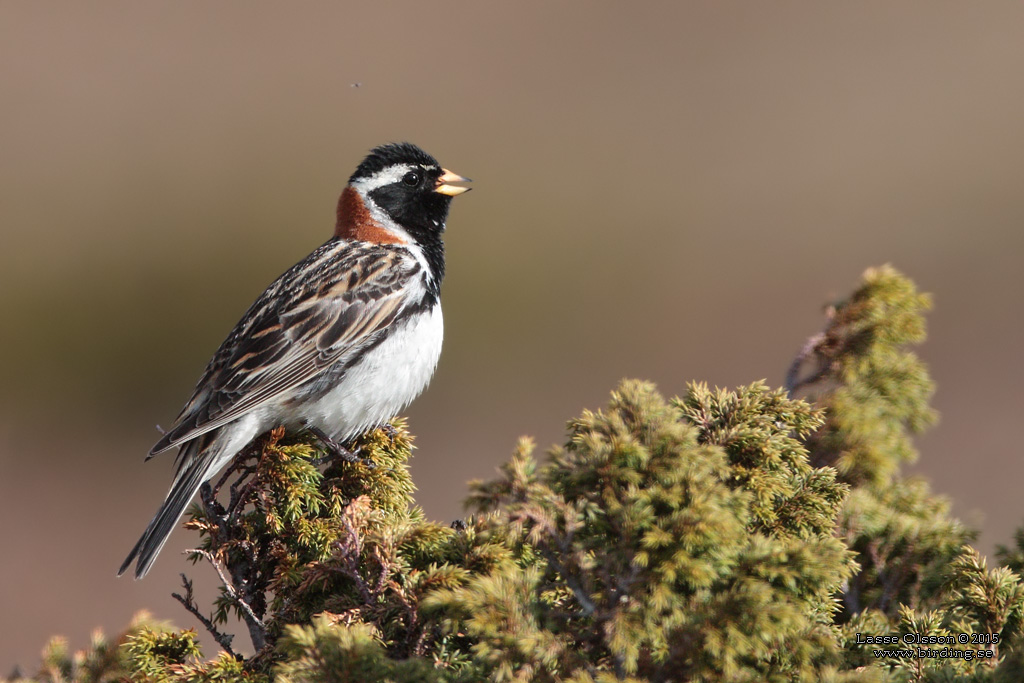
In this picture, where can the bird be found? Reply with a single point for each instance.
(337, 345)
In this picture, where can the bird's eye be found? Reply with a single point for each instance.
(412, 179)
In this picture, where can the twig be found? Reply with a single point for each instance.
(223, 639)
(257, 629)
(585, 602)
(809, 347)
(851, 596)
(351, 549)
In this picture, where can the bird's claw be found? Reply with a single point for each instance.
(336, 450)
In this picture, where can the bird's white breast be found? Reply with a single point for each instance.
(384, 381)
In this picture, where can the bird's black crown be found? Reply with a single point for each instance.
(381, 157)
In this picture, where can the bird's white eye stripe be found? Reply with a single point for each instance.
(389, 175)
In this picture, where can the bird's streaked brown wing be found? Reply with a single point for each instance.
(320, 312)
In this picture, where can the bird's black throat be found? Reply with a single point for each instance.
(421, 212)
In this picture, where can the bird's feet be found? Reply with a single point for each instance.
(335, 449)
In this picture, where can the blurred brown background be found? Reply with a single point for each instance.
(669, 192)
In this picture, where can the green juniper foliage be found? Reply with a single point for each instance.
(660, 560)
(739, 535)
(1013, 556)
(875, 392)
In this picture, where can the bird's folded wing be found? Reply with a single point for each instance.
(322, 311)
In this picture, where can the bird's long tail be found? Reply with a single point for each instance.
(194, 469)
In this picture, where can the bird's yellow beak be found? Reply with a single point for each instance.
(443, 187)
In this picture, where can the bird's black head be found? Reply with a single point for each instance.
(409, 186)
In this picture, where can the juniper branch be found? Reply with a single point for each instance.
(257, 629)
(809, 348)
(187, 601)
